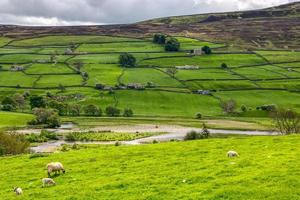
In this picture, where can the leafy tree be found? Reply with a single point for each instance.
(46, 117)
(198, 116)
(112, 111)
(172, 71)
(244, 108)
(207, 50)
(172, 44)
(53, 58)
(20, 101)
(159, 39)
(60, 107)
(37, 102)
(74, 110)
(228, 106)
(128, 112)
(127, 60)
(92, 110)
(286, 121)
(9, 104)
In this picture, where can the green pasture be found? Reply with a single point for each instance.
(144, 76)
(16, 79)
(10, 119)
(96, 59)
(280, 56)
(48, 69)
(4, 41)
(281, 84)
(102, 74)
(69, 39)
(196, 169)
(205, 74)
(158, 103)
(221, 85)
(259, 72)
(121, 47)
(57, 80)
(214, 60)
(253, 99)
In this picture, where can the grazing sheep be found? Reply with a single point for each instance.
(232, 154)
(55, 167)
(18, 191)
(48, 181)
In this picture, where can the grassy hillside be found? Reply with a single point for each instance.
(266, 169)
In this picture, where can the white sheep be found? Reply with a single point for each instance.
(18, 191)
(48, 181)
(232, 154)
(55, 167)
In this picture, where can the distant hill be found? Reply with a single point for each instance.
(276, 27)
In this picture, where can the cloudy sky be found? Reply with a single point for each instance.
(74, 12)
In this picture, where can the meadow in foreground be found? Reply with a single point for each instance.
(266, 169)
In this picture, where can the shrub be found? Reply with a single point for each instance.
(13, 144)
(128, 112)
(228, 106)
(112, 111)
(286, 121)
(194, 135)
(244, 108)
(268, 108)
(198, 116)
(172, 44)
(127, 60)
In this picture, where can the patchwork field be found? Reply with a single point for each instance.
(44, 65)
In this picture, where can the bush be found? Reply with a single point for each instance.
(172, 44)
(268, 108)
(198, 116)
(194, 135)
(286, 121)
(128, 112)
(244, 108)
(112, 111)
(228, 106)
(37, 102)
(127, 60)
(13, 144)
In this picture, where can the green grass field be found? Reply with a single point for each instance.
(266, 169)
(9, 119)
(48, 69)
(214, 60)
(56, 80)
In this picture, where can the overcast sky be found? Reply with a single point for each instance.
(75, 12)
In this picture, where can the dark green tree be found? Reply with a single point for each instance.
(207, 50)
(128, 112)
(112, 111)
(159, 38)
(92, 110)
(127, 60)
(172, 44)
(37, 102)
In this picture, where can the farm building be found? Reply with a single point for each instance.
(187, 67)
(16, 68)
(204, 92)
(135, 86)
(197, 52)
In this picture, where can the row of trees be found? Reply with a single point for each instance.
(170, 43)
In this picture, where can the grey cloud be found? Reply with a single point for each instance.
(68, 12)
